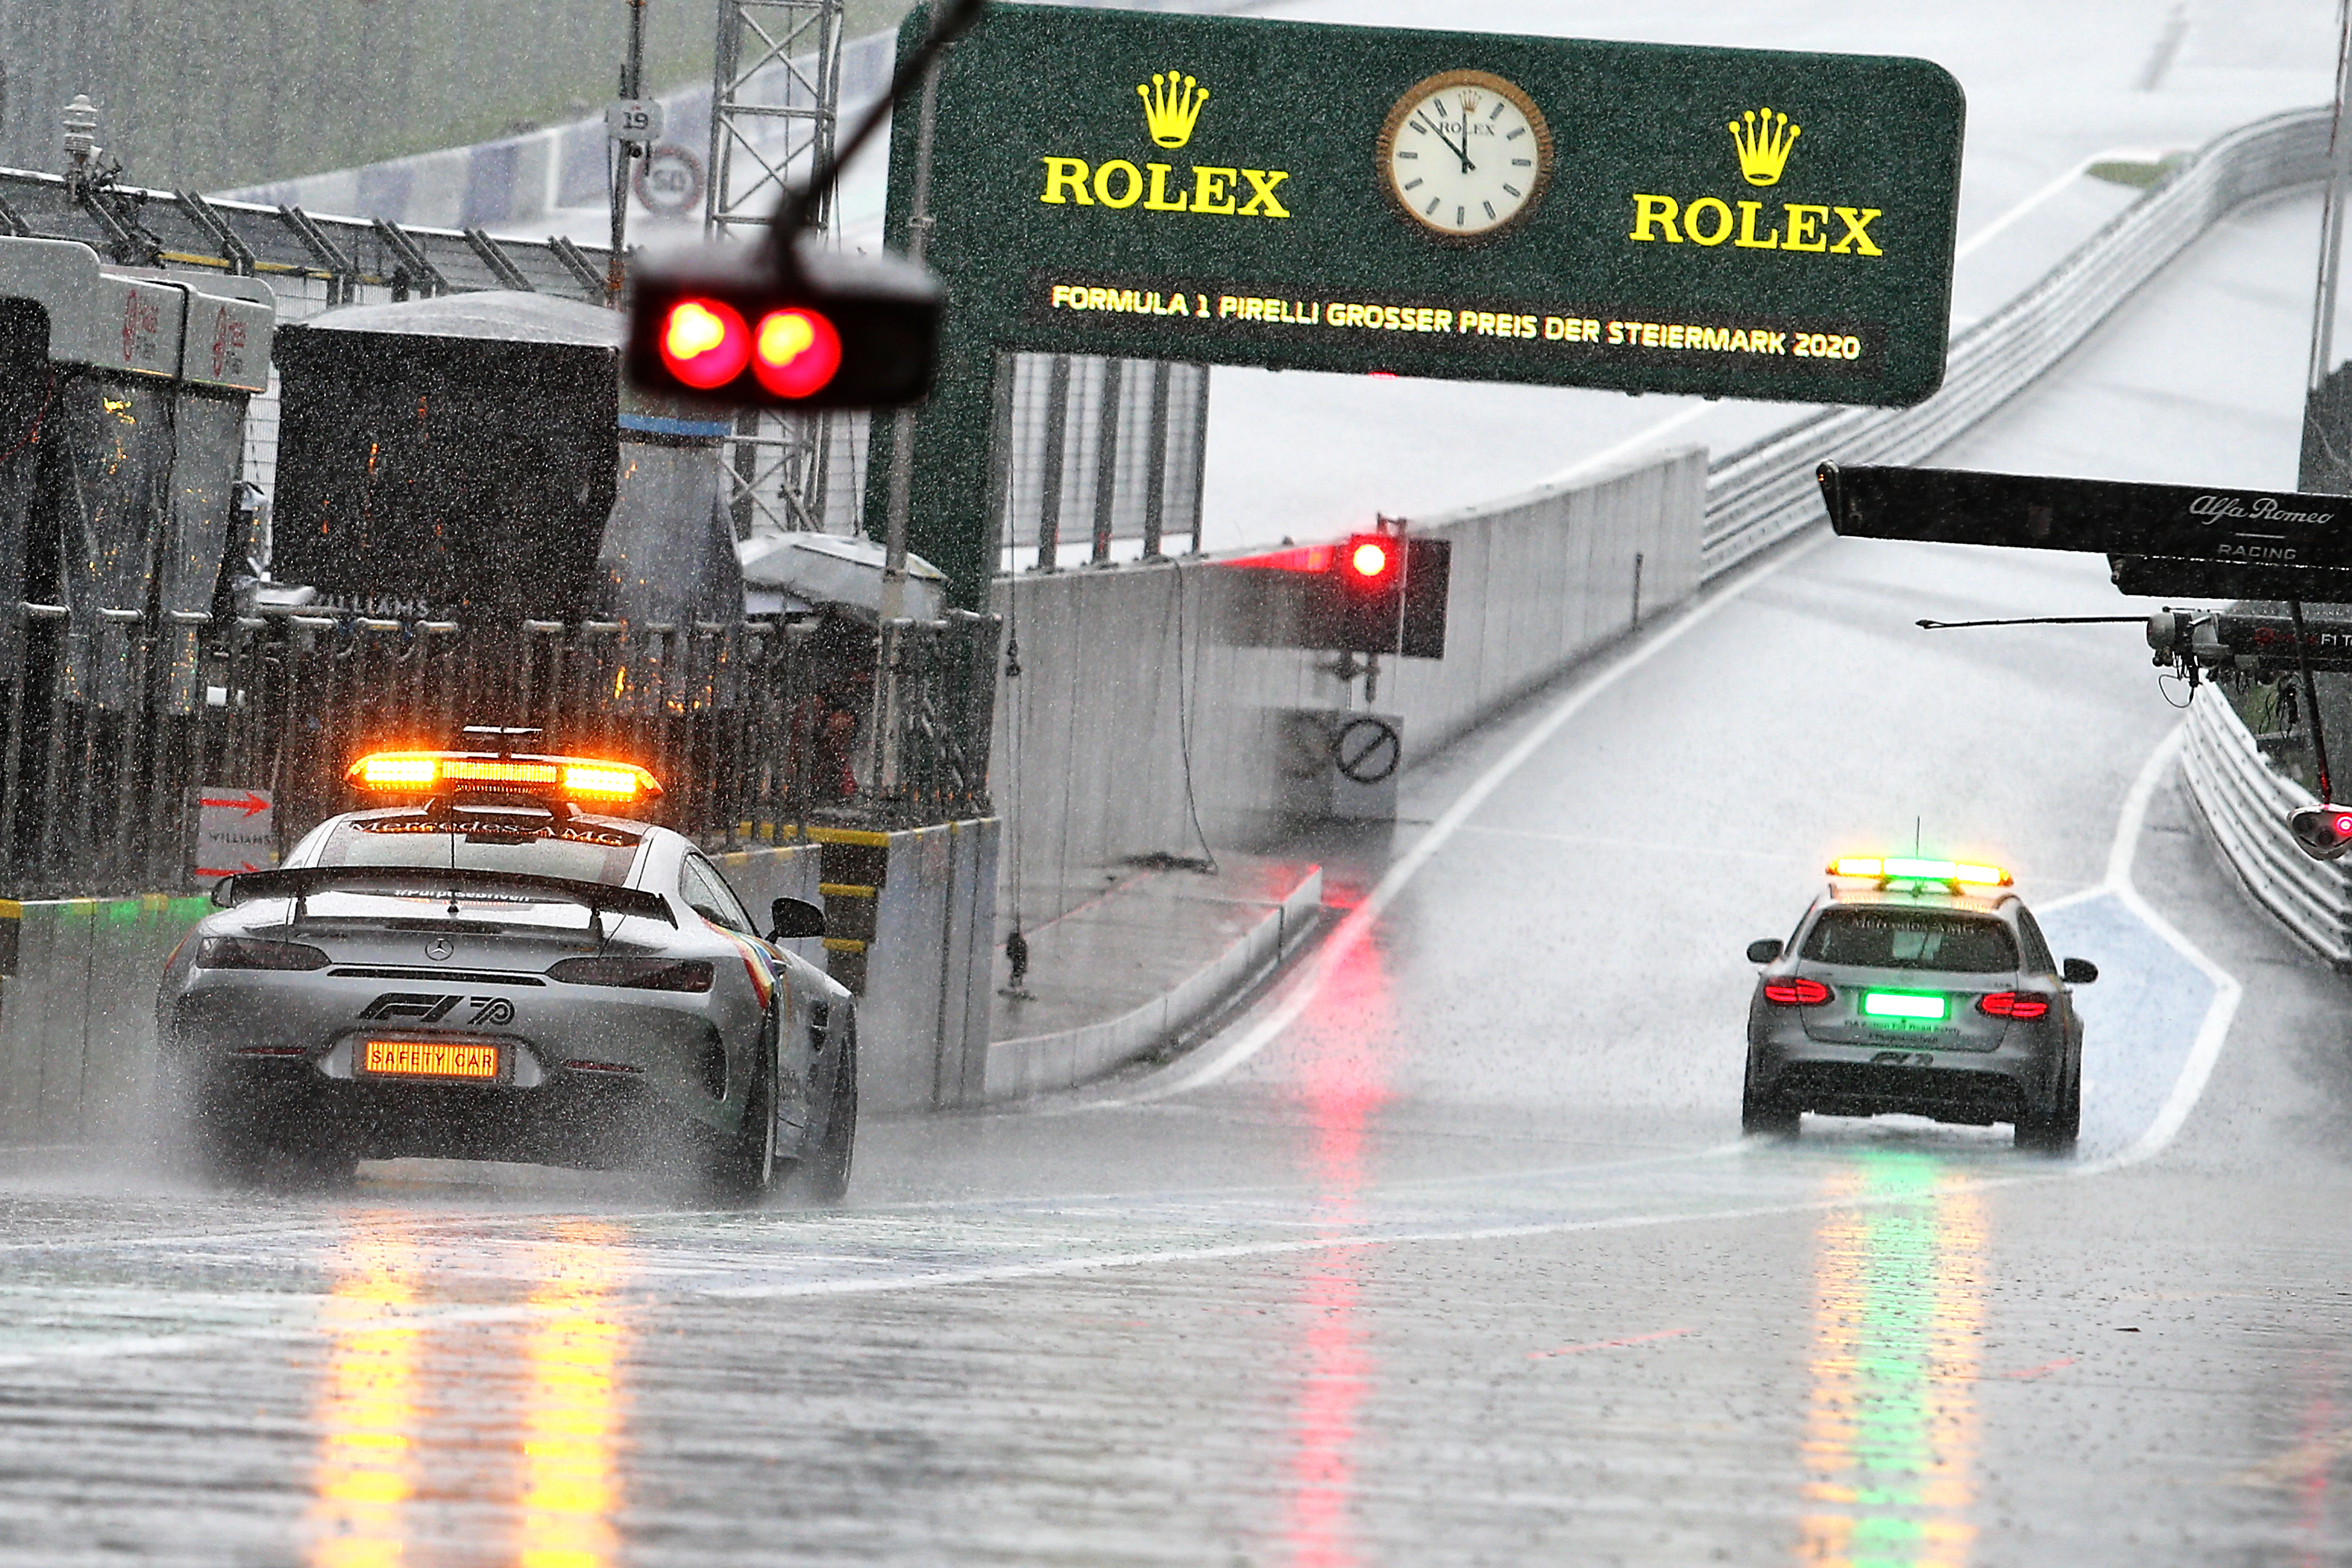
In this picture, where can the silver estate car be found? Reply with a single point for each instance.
(499, 962)
(1920, 986)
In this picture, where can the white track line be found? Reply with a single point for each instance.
(2220, 1013)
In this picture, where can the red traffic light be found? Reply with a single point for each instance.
(727, 325)
(796, 351)
(1374, 562)
(704, 341)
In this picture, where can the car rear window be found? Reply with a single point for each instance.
(1907, 939)
(488, 840)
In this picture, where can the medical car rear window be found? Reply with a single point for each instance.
(488, 841)
(1906, 939)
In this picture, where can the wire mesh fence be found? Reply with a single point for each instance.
(114, 732)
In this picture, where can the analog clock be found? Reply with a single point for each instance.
(1465, 155)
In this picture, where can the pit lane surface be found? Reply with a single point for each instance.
(1463, 1264)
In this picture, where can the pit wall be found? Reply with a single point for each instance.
(1126, 668)
(77, 980)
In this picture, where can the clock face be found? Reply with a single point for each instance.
(1465, 155)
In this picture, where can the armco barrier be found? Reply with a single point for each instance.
(1763, 493)
(2244, 803)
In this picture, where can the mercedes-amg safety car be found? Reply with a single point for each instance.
(499, 961)
(1917, 985)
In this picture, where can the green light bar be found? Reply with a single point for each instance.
(1903, 1005)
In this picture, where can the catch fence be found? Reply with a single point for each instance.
(112, 732)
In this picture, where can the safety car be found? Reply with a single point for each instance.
(1917, 985)
(496, 958)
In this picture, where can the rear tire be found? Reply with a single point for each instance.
(1765, 1115)
(2058, 1132)
(235, 1146)
(743, 1163)
(822, 1176)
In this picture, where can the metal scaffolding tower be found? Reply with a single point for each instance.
(775, 95)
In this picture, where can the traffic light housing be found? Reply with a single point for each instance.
(2322, 832)
(1388, 594)
(728, 326)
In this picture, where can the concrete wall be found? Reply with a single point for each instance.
(1120, 665)
(77, 1014)
(923, 1023)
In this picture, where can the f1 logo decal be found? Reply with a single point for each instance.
(428, 1007)
(425, 1008)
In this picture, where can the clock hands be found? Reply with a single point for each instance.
(1438, 130)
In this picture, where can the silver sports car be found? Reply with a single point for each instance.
(1923, 986)
(496, 963)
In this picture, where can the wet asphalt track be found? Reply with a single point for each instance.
(1462, 1263)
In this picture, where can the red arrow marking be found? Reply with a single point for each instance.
(250, 803)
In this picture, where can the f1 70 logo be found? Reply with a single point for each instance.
(430, 1007)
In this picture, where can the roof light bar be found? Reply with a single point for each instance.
(574, 778)
(1910, 868)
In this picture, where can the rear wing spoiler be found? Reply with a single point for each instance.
(300, 882)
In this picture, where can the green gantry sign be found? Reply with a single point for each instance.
(1733, 222)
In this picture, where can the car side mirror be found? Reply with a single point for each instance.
(1764, 950)
(789, 919)
(225, 893)
(2078, 970)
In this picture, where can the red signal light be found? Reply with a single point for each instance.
(2013, 1004)
(796, 353)
(705, 344)
(1370, 558)
(1797, 991)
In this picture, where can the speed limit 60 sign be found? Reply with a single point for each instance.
(670, 180)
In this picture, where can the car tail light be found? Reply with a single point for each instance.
(2013, 1004)
(635, 974)
(254, 952)
(1796, 990)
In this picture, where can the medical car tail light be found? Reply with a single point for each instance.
(2013, 1004)
(1796, 990)
(635, 974)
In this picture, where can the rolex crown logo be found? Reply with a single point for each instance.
(1764, 139)
(1171, 102)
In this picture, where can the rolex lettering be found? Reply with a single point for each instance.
(1172, 103)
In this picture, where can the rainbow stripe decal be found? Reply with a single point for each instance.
(756, 955)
